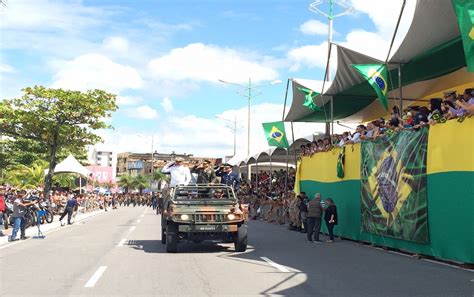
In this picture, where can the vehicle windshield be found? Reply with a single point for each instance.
(204, 193)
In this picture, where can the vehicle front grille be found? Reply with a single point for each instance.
(208, 217)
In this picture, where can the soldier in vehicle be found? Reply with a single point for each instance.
(229, 177)
(218, 194)
(205, 173)
(180, 174)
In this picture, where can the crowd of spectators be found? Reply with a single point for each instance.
(412, 118)
(14, 203)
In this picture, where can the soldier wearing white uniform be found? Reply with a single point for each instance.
(180, 175)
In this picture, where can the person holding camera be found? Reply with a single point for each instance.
(19, 210)
(180, 174)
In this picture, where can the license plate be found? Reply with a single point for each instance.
(206, 227)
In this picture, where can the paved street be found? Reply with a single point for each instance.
(119, 253)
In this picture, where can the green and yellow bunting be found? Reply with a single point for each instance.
(275, 133)
(376, 76)
(308, 99)
(465, 12)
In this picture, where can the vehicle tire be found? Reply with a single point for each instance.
(49, 217)
(171, 238)
(29, 220)
(240, 242)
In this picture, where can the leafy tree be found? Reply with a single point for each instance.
(140, 182)
(126, 181)
(58, 119)
(27, 177)
(160, 176)
(65, 180)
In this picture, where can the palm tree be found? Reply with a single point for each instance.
(126, 181)
(140, 182)
(65, 180)
(160, 176)
(27, 177)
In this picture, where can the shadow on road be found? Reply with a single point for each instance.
(155, 246)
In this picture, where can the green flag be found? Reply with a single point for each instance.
(308, 99)
(465, 12)
(376, 75)
(340, 162)
(275, 133)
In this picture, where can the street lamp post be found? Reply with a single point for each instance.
(246, 91)
(234, 129)
(347, 9)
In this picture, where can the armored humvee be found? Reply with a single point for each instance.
(202, 212)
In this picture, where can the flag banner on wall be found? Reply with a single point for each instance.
(393, 190)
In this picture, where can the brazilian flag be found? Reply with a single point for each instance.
(340, 162)
(393, 180)
(465, 12)
(308, 99)
(275, 133)
(376, 76)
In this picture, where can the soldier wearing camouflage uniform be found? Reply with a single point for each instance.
(205, 173)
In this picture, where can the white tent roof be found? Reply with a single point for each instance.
(71, 165)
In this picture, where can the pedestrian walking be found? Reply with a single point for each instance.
(315, 212)
(68, 210)
(330, 216)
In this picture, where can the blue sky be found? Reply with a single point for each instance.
(164, 58)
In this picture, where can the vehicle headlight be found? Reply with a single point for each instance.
(184, 217)
(231, 216)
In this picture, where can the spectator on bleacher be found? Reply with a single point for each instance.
(355, 138)
(421, 118)
(408, 121)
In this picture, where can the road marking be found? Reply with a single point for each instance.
(95, 277)
(121, 242)
(276, 265)
(138, 221)
(132, 228)
(142, 216)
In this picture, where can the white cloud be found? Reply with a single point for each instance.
(128, 100)
(116, 44)
(314, 27)
(143, 112)
(167, 104)
(208, 137)
(47, 15)
(96, 71)
(374, 44)
(5, 68)
(200, 62)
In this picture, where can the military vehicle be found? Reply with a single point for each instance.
(202, 212)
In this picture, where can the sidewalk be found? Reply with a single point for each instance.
(46, 228)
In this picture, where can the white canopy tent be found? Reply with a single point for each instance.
(71, 165)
